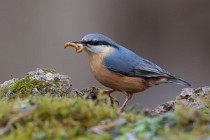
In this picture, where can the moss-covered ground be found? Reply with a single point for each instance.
(89, 114)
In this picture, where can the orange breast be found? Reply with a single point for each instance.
(115, 80)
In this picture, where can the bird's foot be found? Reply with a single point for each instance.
(113, 100)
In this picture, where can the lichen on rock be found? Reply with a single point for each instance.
(43, 105)
(192, 97)
(38, 82)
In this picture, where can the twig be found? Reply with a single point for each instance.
(15, 119)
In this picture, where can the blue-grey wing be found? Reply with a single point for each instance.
(127, 63)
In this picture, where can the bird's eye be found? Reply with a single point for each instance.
(93, 43)
(96, 43)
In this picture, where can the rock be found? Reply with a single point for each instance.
(189, 96)
(9, 82)
(43, 105)
(56, 82)
(38, 82)
(166, 107)
(47, 81)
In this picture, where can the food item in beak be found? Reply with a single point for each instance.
(79, 47)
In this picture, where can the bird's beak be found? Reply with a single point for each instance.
(79, 45)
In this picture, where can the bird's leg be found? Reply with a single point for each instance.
(128, 97)
(109, 92)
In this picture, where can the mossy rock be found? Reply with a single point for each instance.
(43, 105)
(38, 82)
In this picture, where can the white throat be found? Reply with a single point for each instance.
(98, 49)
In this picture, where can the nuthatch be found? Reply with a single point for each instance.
(120, 69)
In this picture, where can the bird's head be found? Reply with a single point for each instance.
(96, 43)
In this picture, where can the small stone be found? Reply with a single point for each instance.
(206, 89)
(9, 82)
(49, 76)
(8, 92)
(120, 121)
(35, 91)
(186, 92)
(24, 107)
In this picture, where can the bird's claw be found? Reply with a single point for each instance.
(79, 47)
(114, 100)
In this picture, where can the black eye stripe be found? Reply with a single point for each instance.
(96, 42)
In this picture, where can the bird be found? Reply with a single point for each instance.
(119, 68)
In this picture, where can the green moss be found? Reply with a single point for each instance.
(25, 86)
(61, 115)
(21, 88)
(49, 70)
(64, 118)
(57, 118)
(185, 123)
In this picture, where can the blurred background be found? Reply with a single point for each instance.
(174, 34)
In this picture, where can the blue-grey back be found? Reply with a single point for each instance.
(126, 62)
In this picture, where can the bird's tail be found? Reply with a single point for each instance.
(178, 81)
